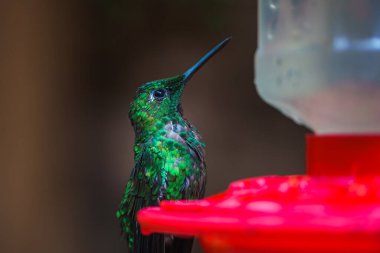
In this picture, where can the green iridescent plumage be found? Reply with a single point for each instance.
(169, 159)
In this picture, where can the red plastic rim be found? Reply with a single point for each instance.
(287, 203)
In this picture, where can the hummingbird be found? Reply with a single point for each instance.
(169, 161)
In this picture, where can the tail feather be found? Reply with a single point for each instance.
(160, 243)
(179, 245)
(149, 244)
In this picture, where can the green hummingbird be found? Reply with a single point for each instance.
(169, 159)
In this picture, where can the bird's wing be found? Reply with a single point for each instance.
(141, 190)
(160, 172)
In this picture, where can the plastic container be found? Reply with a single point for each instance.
(317, 62)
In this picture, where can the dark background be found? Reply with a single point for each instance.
(68, 71)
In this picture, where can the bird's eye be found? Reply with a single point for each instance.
(159, 94)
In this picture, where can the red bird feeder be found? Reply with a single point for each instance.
(303, 213)
(317, 62)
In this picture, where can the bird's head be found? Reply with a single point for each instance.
(159, 102)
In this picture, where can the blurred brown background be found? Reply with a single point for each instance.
(68, 71)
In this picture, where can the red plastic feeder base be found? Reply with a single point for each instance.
(322, 212)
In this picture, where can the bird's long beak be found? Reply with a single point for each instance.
(191, 71)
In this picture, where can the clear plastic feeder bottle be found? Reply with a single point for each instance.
(319, 62)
